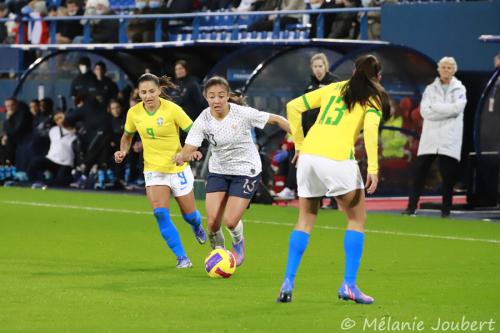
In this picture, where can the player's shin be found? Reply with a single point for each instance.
(169, 231)
(236, 232)
(216, 239)
(298, 244)
(353, 249)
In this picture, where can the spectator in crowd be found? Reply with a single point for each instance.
(4, 12)
(17, 132)
(117, 125)
(345, 25)
(245, 6)
(106, 88)
(442, 108)
(143, 30)
(188, 93)
(93, 138)
(42, 122)
(496, 61)
(328, 18)
(267, 23)
(35, 30)
(68, 30)
(59, 159)
(102, 31)
(374, 17)
(85, 83)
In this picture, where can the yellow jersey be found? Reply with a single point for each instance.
(159, 132)
(336, 129)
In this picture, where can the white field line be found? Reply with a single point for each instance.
(138, 212)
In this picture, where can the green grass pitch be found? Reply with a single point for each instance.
(90, 262)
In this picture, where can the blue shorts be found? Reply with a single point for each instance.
(236, 186)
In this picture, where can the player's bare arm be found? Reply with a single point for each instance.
(274, 119)
(125, 143)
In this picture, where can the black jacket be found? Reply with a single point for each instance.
(309, 117)
(71, 29)
(105, 31)
(84, 84)
(19, 124)
(188, 96)
(106, 89)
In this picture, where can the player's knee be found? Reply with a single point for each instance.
(230, 222)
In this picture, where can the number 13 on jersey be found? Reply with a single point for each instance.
(330, 118)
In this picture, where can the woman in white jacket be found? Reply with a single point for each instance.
(442, 108)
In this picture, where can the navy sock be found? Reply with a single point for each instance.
(298, 244)
(353, 249)
(194, 218)
(169, 231)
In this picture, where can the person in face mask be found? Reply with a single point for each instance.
(85, 83)
(68, 30)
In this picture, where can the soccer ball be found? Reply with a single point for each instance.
(220, 263)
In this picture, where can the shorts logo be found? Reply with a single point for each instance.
(249, 186)
(159, 121)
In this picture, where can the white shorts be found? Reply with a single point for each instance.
(320, 176)
(180, 183)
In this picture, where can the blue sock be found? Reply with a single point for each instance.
(298, 244)
(194, 218)
(353, 248)
(169, 231)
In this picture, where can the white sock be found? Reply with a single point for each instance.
(237, 232)
(216, 239)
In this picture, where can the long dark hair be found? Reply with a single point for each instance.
(162, 83)
(219, 80)
(363, 87)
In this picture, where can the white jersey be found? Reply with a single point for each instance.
(233, 150)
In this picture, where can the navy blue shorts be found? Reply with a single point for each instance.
(236, 186)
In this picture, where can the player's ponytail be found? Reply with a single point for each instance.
(163, 83)
(235, 98)
(364, 87)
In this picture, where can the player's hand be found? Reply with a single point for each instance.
(371, 183)
(119, 156)
(295, 158)
(196, 156)
(178, 160)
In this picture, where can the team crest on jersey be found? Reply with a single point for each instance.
(159, 121)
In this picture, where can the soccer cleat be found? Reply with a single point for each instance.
(409, 212)
(286, 290)
(352, 292)
(199, 234)
(183, 262)
(239, 252)
(286, 194)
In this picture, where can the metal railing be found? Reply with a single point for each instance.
(196, 24)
